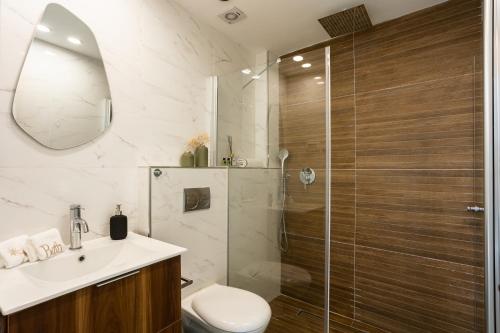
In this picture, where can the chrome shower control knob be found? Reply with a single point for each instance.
(307, 176)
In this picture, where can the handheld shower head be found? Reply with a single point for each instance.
(283, 155)
(283, 235)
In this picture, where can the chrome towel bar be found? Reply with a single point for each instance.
(185, 282)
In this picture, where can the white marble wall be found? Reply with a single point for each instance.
(159, 60)
(203, 232)
(243, 114)
(254, 255)
(60, 98)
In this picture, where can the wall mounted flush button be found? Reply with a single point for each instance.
(196, 199)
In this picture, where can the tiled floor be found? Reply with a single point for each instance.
(293, 316)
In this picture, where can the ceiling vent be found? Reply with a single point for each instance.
(233, 15)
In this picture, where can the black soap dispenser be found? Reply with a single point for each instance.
(118, 225)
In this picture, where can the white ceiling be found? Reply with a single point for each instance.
(282, 26)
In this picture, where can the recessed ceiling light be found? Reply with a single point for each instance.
(256, 77)
(306, 65)
(320, 82)
(42, 28)
(74, 40)
(317, 77)
(298, 58)
(246, 71)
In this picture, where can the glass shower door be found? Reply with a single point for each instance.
(277, 214)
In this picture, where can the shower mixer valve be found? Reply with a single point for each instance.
(307, 176)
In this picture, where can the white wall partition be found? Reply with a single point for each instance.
(202, 232)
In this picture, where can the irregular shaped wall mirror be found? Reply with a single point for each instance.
(62, 98)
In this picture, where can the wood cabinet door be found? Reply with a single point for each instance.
(113, 305)
(145, 301)
(159, 296)
(56, 316)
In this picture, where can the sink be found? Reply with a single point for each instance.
(99, 260)
(78, 264)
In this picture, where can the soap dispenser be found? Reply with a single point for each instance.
(118, 225)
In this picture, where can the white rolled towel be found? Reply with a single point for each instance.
(12, 252)
(47, 244)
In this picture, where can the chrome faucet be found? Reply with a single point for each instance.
(77, 226)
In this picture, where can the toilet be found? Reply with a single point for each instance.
(222, 309)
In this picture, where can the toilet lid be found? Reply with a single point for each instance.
(231, 309)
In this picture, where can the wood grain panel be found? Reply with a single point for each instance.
(342, 279)
(407, 140)
(409, 127)
(292, 315)
(3, 324)
(290, 68)
(159, 295)
(342, 66)
(56, 316)
(419, 212)
(405, 293)
(343, 206)
(114, 306)
(302, 132)
(305, 209)
(405, 52)
(343, 133)
(306, 254)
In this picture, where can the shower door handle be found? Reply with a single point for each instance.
(475, 209)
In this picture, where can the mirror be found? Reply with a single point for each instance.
(62, 98)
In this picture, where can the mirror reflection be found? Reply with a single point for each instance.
(63, 98)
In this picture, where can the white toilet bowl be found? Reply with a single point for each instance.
(221, 309)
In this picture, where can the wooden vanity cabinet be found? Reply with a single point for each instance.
(144, 301)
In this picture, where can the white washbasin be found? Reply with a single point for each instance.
(103, 259)
(77, 264)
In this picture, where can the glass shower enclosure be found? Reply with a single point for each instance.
(277, 232)
(350, 181)
(376, 222)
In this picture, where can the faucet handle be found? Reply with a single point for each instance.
(75, 206)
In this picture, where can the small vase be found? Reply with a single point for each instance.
(201, 157)
(187, 160)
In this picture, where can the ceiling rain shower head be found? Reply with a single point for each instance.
(347, 21)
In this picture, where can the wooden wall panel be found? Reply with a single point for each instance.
(302, 276)
(302, 132)
(407, 160)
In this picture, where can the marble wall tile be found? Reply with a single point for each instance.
(203, 232)
(159, 60)
(243, 114)
(35, 199)
(254, 216)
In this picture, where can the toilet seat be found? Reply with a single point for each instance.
(229, 309)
